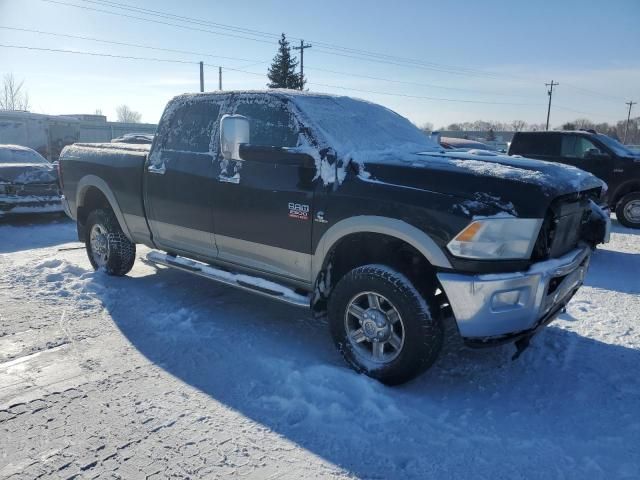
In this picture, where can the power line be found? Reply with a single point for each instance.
(268, 35)
(338, 87)
(417, 84)
(135, 45)
(182, 18)
(255, 62)
(378, 58)
(96, 54)
(191, 62)
(591, 93)
(264, 34)
(157, 21)
(422, 97)
(274, 36)
(322, 47)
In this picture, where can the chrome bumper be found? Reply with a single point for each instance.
(18, 204)
(497, 305)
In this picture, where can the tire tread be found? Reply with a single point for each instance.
(122, 251)
(426, 330)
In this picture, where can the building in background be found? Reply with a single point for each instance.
(49, 134)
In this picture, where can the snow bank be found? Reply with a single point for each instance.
(258, 386)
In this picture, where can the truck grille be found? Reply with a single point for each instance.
(563, 225)
(35, 189)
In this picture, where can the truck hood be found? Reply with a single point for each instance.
(25, 173)
(516, 185)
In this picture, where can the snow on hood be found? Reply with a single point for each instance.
(524, 169)
(25, 173)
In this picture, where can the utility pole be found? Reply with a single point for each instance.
(219, 78)
(626, 129)
(201, 77)
(301, 48)
(550, 93)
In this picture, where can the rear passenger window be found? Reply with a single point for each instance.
(269, 124)
(569, 146)
(539, 144)
(191, 127)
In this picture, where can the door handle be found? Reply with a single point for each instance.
(157, 170)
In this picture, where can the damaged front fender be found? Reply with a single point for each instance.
(597, 228)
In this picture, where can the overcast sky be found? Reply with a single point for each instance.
(499, 52)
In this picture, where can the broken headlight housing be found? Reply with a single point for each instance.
(500, 238)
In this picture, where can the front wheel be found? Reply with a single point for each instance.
(107, 246)
(628, 210)
(383, 326)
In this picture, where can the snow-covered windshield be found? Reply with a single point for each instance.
(351, 125)
(616, 146)
(11, 155)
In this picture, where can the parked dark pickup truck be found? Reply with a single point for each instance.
(594, 152)
(343, 206)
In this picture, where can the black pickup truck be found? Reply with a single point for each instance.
(344, 207)
(594, 152)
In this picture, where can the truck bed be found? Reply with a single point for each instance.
(117, 168)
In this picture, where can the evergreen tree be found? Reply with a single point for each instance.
(282, 72)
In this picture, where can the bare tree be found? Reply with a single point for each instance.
(13, 95)
(518, 125)
(583, 123)
(427, 127)
(126, 115)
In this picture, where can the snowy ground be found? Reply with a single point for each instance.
(169, 374)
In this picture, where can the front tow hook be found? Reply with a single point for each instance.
(521, 345)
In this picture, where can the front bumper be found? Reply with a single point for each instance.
(18, 204)
(499, 307)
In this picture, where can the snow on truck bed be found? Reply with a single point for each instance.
(128, 147)
(164, 372)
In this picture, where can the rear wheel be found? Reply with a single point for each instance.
(107, 246)
(628, 210)
(383, 326)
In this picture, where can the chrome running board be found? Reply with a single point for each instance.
(266, 288)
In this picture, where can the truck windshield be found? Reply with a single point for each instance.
(351, 125)
(616, 146)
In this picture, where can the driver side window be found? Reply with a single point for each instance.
(575, 146)
(269, 124)
(584, 146)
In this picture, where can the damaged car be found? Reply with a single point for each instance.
(343, 207)
(28, 182)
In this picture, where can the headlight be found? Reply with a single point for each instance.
(497, 239)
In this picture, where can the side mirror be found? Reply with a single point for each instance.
(234, 131)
